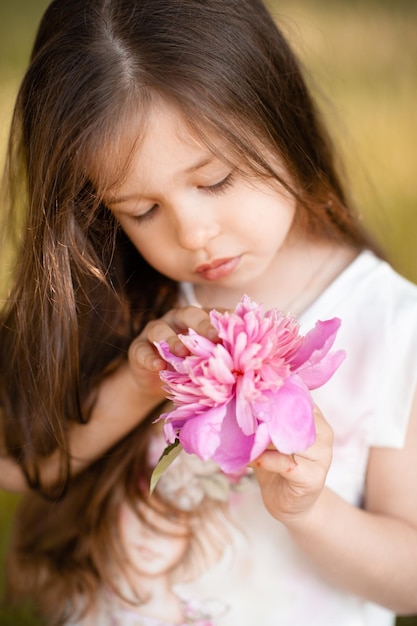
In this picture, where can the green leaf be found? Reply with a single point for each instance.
(168, 456)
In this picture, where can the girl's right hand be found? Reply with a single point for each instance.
(144, 360)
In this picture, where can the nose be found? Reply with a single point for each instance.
(195, 226)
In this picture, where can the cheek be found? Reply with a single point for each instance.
(148, 243)
(282, 215)
(265, 213)
(174, 548)
(150, 240)
(159, 257)
(146, 248)
(128, 525)
(162, 254)
(271, 225)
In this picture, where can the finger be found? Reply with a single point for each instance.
(191, 317)
(318, 455)
(275, 462)
(142, 351)
(160, 330)
(143, 355)
(324, 431)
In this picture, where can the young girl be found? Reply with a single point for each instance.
(174, 160)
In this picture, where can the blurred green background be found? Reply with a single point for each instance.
(362, 58)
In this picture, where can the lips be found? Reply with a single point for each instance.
(147, 553)
(218, 268)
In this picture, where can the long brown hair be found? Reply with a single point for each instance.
(67, 555)
(81, 291)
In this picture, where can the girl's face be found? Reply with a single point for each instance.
(194, 217)
(156, 545)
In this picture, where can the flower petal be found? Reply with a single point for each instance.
(316, 343)
(197, 344)
(261, 441)
(234, 451)
(176, 362)
(288, 414)
(200, 434)
(316, 374)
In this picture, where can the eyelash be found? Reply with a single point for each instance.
(221, 186)
(217, 188)
(146, 216)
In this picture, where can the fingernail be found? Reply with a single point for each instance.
(158, 364)
(179, 349)
(212, 334)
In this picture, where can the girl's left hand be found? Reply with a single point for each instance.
(291, 484)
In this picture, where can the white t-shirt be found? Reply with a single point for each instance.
(264, 579)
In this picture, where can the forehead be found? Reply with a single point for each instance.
(155, 138)
(167, 139)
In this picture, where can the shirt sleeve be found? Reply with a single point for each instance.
(398, 362)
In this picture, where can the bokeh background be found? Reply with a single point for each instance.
(362, 59)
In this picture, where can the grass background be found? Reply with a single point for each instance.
(362, 58)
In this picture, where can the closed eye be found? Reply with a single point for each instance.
(148, 215)
(221, 186)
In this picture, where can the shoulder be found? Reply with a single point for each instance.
(387, 307)
(391, 290)
(371, 297)
(378, 311)
(383, 305)
(373, 281)
(377, 308)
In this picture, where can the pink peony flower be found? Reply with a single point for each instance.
(232, 399)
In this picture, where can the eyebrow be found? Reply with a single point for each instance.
(200, 164)
(193, 168)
